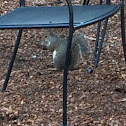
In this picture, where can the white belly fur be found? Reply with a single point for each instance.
(54, 55)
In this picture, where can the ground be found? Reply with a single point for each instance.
(34, 93)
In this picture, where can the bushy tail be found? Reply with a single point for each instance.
(83, 43)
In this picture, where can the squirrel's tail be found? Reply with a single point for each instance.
(83, 43)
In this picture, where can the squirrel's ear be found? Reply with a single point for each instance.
(52, 33)
(46, 33)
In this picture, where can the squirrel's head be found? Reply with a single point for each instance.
(49, 41)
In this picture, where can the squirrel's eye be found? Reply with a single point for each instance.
(46, 36)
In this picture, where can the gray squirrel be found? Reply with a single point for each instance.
(58, 45)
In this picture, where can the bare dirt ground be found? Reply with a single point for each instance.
(34, 92)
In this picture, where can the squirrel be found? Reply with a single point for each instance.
(80, 47)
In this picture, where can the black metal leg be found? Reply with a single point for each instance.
(123, 31)
(65, 97)
(67, 63)
(86, 2)
(99, 42)
(12, 60)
